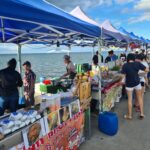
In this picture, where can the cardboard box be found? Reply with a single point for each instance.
(84, 90)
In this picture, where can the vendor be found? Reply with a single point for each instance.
(71, 72)
(111, 57)
(95, 59)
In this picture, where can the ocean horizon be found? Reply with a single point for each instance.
(50, 64)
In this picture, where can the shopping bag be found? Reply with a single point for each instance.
(22, 100)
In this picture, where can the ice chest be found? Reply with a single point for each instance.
(108, 123)
(48, 88)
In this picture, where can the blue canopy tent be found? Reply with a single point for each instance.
(135, 37)
(32, 21)
(40, 22)
(144, 41)
(37, 21)
(131, 35)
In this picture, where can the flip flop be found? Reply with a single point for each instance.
(127, 117)
(141, 117)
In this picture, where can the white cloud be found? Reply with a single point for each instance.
(142, 18)
(84, 4)
(125, 10)
(143, 5)
(123, 1)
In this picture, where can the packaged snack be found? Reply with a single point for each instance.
(7, 131)
(22, 124)
(17, 122)
(27, 122)
(16, 116)
(33, 120)
(14, 128)
(6, 124)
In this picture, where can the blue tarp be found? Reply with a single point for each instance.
(39, 12)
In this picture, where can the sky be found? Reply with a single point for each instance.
(133, 15)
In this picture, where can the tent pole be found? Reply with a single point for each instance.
(100, 77)
(20, 68)
(19, 59)
(93, 52)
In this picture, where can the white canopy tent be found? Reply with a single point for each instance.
(107, 29)
(77, 12)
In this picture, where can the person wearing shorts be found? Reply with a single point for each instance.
(140, 58)
(130, 72)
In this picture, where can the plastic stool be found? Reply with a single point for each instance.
(108, 123)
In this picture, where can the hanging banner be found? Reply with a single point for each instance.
(66, 136)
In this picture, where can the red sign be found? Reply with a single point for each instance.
(65, 137)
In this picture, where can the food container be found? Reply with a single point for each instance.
(6, 124)
(32, 114)
(33, 120)
(48, 88)
(22, 124)
(51, 102)
(17, 122)
(7, 131)
(27, 122)
(38, 117)
(25, 116)
(42, 79)
(16, 116)
(14, 128)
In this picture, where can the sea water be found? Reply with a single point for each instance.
(49, 64)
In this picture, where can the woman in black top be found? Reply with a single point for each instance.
(130, 71)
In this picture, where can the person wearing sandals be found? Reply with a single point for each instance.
(130, 73)
(140, 58)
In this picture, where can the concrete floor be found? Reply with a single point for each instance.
(132, 135)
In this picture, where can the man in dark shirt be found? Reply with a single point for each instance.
(111, 57)
(10, 80)
(95, 59)
(29, 84)
(108, 58)
(132, 81)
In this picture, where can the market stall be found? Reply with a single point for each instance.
(61, 119)
(56, 112)
(110, 82)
